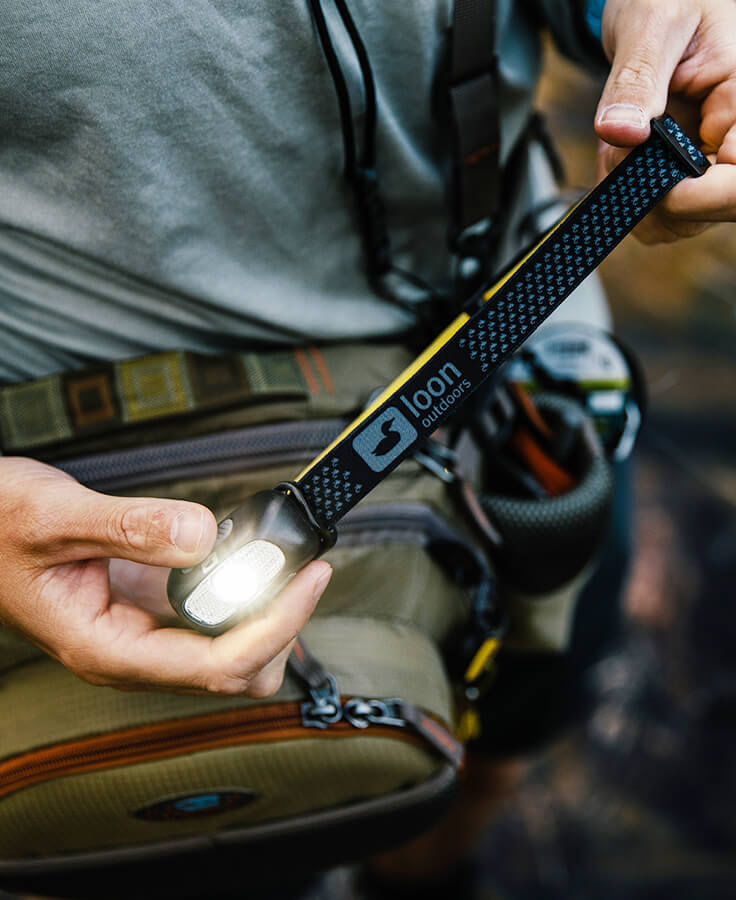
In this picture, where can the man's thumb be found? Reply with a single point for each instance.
(143, 529)
(647, 42)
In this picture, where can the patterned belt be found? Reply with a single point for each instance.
(108, 399)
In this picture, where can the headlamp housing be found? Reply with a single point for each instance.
(260, 546)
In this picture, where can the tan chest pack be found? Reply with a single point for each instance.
(354, 752)
(357, 750)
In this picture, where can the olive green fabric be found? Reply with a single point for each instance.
(95, 811)
(377, 629)
(45, 704)
(543, 623)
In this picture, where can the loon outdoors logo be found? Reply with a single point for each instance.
(388, 436)
(440, 393)
(384, 439)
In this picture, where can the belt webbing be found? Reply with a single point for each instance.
(46, 414)
(471, 349)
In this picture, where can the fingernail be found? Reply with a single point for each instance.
(321, 583)
(187, 530)
(623, 114)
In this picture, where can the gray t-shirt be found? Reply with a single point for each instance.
(170, 172)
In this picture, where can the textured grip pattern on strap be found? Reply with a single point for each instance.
(681, 143)
(330, 488)
(559, 263)
(547, 278)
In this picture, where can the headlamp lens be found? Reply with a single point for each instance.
(260, 545)
(236, 585)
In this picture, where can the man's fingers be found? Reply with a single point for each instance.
(658, 229)
(692, 206)
(65, 535)
(125, 649)
(246, 649)
(727, 151)
(77, 523)
(148, 530)
(269, 679)
(131, 582)
(710, 198)
(647, 42)
(608, 158)
(718, 115)
(50, 516)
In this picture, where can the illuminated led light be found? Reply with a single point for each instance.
(236, 584)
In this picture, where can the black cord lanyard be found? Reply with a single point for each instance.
(472, 107)
(471, 349)
(360, 163)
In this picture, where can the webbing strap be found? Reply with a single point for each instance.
(473, 28)
(474, 106)
(109, 398)
(470, 350)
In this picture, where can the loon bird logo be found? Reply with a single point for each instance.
(385, 439)
(390, 439)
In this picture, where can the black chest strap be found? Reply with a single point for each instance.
(475, 116)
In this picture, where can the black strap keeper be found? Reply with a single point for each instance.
(327, 536)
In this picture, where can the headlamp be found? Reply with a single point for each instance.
(260, 546)
(264, 542)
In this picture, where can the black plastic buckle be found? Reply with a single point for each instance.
(438, 459)
(498, 418)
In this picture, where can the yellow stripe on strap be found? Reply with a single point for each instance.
(432, 350)
(398, 382)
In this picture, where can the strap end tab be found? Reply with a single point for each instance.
(686, 151)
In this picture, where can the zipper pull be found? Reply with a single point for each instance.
(325, 707)
(362, 713)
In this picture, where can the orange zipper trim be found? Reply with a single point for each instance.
(176, 737)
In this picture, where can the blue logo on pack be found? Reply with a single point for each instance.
(194, 805)
(384, 439)
(198, 803)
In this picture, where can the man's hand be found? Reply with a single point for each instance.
(84, 577)
(679, 54)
